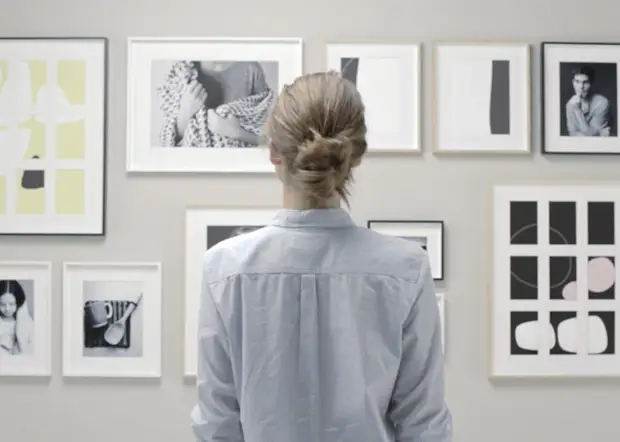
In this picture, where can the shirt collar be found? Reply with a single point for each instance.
(322, 218)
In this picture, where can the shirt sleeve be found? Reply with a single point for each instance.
(600, 117)
(571, 121)
(216, 416)
(418, 409)
(259, 82)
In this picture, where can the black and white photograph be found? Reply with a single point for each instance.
(428, 234)
(16, 317)
(579, 97)
(482, 98)
(205, 228)
(588, 99)
(387, 77)
(25, 318)
(200, 104)
(113, 322)
(211, 103)
(216, 234)
(112, 319)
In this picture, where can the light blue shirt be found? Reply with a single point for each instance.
(313, 329)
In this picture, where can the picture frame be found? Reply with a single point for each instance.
(112, 319)
(553, 296)
(579, 98)
(430, 235)
(482, 98)
(387, 74)
(205, 227)
(163, 136)
(53, 115)
(26, 295)
(441, 305)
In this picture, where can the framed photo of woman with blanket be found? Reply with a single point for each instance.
(200, 104)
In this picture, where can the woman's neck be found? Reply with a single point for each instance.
(294, 200)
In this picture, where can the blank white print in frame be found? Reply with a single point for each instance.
(52, 135)
(25, 301)
(199, 104)
(554, 301)
(482, 98)
(204, 228)
(429, 234)
(580, 98)
(112, 319)
(388, 79)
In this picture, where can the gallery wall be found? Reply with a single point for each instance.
(145, 216)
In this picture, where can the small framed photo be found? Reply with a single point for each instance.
(579, 91)
(441, 304)
(554, 299)
(112, 320)
(429, 234)
(52, 136)
(25, 319)
(200, 104)
(205, 228)
(482, 98)
(388, 79)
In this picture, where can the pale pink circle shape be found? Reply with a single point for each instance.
(601, 274)
(570, 291)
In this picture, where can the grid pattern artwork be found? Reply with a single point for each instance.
(52, 136)
(554, 302)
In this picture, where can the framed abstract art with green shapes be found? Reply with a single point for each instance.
(52, 136)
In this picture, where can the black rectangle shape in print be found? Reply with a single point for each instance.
(601, 223)
(563, 277)
(601, 277)
(523, 277)
(602, 333)
(564, 343)
(562, 222)
(523, 222)
(524, 338)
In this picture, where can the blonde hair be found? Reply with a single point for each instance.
(317, 129)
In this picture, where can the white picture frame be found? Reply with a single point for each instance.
(53, 136)
(268, 65)
(554, 281)
(482, 102)
(388, 76)
(198, 222)
(29, 353)
(441, 305)
(430, 235)
(101, 294)
(591, 68)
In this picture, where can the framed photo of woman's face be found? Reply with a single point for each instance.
(200, 104)
(25, 319)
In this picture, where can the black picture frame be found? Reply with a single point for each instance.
(543, 102)
(105, 42)
(439, 224)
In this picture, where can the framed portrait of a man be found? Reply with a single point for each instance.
(580, 98)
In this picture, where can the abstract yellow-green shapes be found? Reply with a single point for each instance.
(2, 194)
(72, 80)
(36, 146)
(38, 75)
(4, 69)
(29, 201)
(69, 192)
(70, 140)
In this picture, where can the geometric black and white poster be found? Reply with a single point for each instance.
(554, 300)
(482, 101)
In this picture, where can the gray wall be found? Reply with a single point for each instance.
(146, 213)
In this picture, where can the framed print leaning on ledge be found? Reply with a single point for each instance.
(52, 136)
(200, 104)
